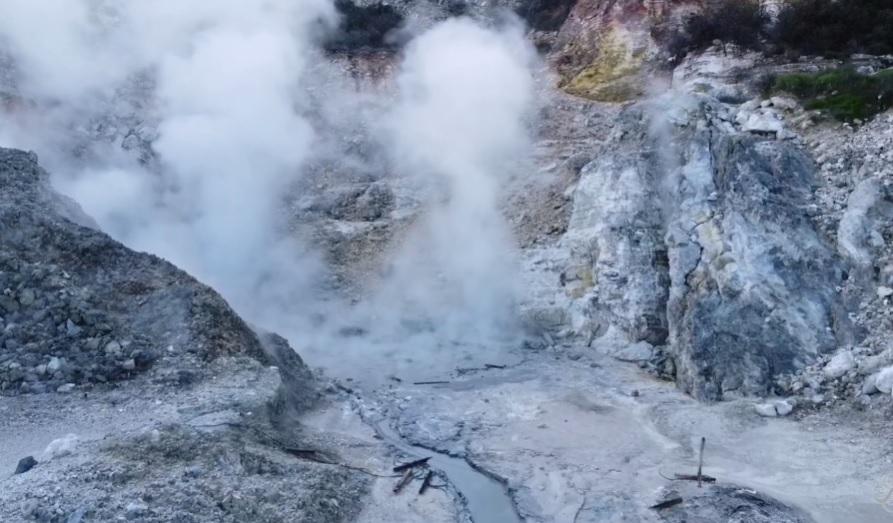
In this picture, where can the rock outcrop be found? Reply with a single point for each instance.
(696, 235)
(606, 49)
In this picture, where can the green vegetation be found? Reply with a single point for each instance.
(842, 93)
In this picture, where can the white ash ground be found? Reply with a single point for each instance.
(590, 439)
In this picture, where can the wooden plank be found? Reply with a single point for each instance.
(426, 482)
(411, 464)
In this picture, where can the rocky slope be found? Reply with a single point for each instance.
(678, 221)
(80, 309)
(163, 404)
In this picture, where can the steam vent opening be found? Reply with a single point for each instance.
(426, 261)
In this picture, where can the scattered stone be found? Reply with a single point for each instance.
(784, 407)
(884, 292)
(77, 516)
(784, 103)
(761, 121)
(27, 297)
(55, 365)
(870, 364)
(113, 348)
(771, 409)
(884, 380)
(766, 409)
(136, 509)
(72, 329)
(25, 464)
(839, 365)
(869, 385)
(637, 352)
(63, 446)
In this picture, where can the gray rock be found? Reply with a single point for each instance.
(71, 328)
(784, 407)
(136, 509)
(27, 297)
(869, 385)
(870, 364)
(615, 236)
(113, 348)
(77, 516)
(55, 364)
(760, 301)
(25, 464)
(732, 504)
(773, 408)
(884, 380)
(766, 409)
(840, 364)
(637, 352)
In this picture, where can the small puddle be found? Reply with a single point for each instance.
(486, 499)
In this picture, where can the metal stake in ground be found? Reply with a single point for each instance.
(701, 459)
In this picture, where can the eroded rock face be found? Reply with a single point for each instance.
(80, 308)
(616, 233)
(698, 236)
(759, 298)
(605, 47)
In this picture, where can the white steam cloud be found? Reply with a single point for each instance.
(223, 80)
(219, 89)
(464, 95)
